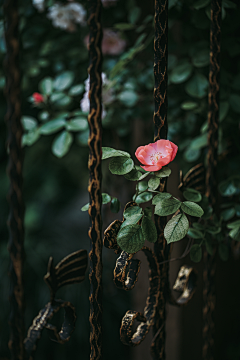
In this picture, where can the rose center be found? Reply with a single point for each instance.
(155, 157)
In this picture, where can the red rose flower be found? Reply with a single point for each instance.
(156, 155)
(38, 98)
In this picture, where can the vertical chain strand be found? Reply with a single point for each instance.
(14, 170)
(95, 177)
(160, 121)
(209, 298)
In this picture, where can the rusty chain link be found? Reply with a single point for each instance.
(14, 170)
(209, 297)
(95, 174)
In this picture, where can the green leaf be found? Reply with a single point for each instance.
(121, 165)
(223, 110)
(198, 226)
(82, 137)
(234, 101)
(201, 58)
(85, 207)
(197, 86)
(62, 144)
(31, 137)
(195, 234)
(176, 228)
(164, 172)
(160, 197)
(124, 26)
(144, 197)
(43, 115)
(106, 198)
(181, 73)
(142, 185)
(131, 220)
(189, 105)
(191, 155)
(228, 214)
(191, 196)
(134, 175)
(132, 210)
(196, 253)
(167, 207)
(227, 188)
(154, 183)
(52, 126)
(108, 152)
(235, 233)
(213, 229)
(192, 209)
(76, 90)
(223, 252)
(199, 142)
(64, 80)
(130, 238)
(128, 97)
(149, 229)
(78, 124)
(57, 96)
(115, 205)
(148, 211)
(28, 122)
(200, 4)
(145, 175)
(233, 224)
(46, 86)
(209, 247)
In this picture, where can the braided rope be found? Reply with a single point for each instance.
(160, 121)
(211, 177)
(14, 170)
(94, 188)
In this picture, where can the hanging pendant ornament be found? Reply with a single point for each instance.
(209, 298)
(95, 177)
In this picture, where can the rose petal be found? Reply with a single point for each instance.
(174, 152)
(151, 167)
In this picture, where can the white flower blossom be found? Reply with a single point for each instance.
(107, 95)
(39, 5)
(66, 16)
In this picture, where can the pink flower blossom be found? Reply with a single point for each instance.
(38, 98)
(112, 44)
(156, 155)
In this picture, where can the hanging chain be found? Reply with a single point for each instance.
(211, 177)
(94, 188)
(160, 120)
(15, 165)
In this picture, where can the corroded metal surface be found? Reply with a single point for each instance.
(15, 165)
(211, 177)
(70, 270)
(160, 121)
(94, 188)
(185, 284)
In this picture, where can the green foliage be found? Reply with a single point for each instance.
(121, 165)
(192, 209)
(149, 229)
(176, 228)
(196, 253)
(130, 238)
(167, 207)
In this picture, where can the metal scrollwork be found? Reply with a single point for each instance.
(125, 277)
(70, 270)
(186, 284)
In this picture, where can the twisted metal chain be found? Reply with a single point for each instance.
(14, 170)
(94, 188)
(160, 121)
(209, 297)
